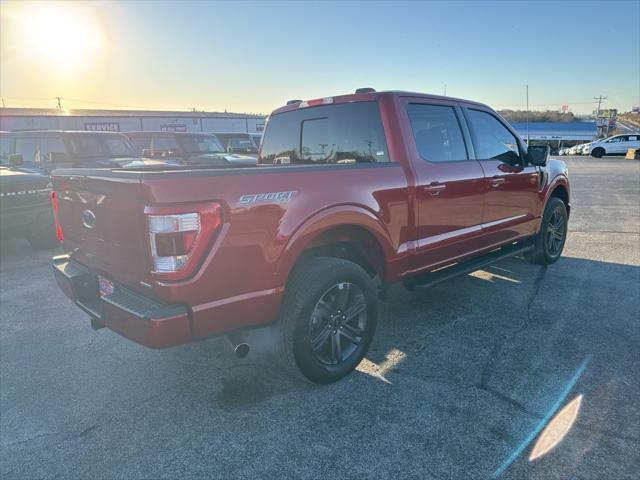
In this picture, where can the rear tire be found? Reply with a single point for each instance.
(549, 242)
(598, 152)
(328, 319)
(44, 238)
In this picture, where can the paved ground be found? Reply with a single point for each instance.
(459, 381)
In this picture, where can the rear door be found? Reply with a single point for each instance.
(449, 183)
(511, 202)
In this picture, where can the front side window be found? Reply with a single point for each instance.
(330, 134)
(491, 139)
(437, 133)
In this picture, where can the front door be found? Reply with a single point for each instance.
(448, 184)
(512, 201)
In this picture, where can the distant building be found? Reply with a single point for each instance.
(559, 131)
(12, 119)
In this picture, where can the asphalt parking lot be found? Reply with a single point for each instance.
(459, 383)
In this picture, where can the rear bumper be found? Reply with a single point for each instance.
(139, 318)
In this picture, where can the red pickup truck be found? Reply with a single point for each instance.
(351, 193)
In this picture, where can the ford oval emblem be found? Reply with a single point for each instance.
(88, 219)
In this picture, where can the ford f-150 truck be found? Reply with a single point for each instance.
(351, 193)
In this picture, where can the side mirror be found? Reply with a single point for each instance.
(16, 160)
(538, 154)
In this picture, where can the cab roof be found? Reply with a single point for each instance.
(373, 96)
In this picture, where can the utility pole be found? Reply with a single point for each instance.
(600, 99)
(445, 89)
(59, 104)
(528, 139)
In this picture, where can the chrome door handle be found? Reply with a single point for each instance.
(435, 188)
(497, 181)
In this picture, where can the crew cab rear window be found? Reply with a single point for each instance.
(330, 134)
(437, 133)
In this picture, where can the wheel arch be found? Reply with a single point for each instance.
(352, 233)
(561, 191)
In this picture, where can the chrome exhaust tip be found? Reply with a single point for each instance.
(240, 347)
(242, 350)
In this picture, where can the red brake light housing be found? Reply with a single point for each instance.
(54, 208)
(180, 236)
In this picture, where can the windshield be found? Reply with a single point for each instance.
(200, 144)
(100, 146)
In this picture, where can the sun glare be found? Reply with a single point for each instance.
(61, 37)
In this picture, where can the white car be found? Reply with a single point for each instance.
(616, 145)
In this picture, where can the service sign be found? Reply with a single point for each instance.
(102, 127)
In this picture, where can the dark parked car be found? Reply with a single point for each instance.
(25, 201)
(186, 148)
(51, 149)
(241, 143)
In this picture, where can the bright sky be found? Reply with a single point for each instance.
(252, 57)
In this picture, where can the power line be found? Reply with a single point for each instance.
(599, 99)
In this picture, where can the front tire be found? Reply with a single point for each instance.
(549, 242)
(598, 152)
(328, 318)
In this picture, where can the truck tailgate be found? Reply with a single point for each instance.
(103, 223)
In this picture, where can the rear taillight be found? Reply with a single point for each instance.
(54, 207)
(179, 237)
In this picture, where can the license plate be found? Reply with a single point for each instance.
(105, 286)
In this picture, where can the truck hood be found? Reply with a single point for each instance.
(17, 179)
(222, 159)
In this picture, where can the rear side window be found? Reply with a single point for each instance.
(164, 144)
(331, 134)
(27, 147)
(437, 133)
(491, 139)
(51, 145)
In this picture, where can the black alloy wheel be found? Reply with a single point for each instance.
(337, 324)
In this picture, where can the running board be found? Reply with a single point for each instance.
(434, 277)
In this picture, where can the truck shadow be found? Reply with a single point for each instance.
(491, 330)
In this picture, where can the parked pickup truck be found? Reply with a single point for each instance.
(25, 205)
(352, 193)
(51, 149)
